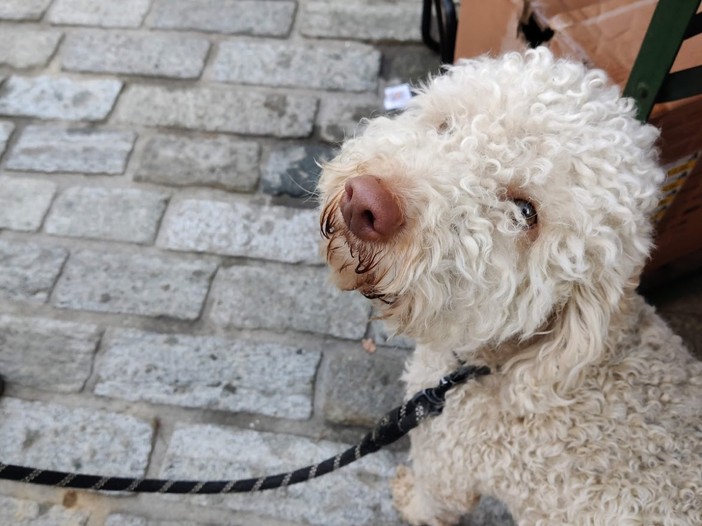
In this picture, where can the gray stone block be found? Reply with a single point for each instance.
(409, 64)
(23, 9)
(121, 519)
(115, 214)
(21, 512)
(24, 202)
(221, 161)
(340, 117)
(245, 111)
(27, 345)
(149, 55)
(134, 284)
(60, 98)
(489, 512)
(80, 150)
(294, 170)
(244, 17)
(6, 129)
(27, 48)
(348, 67)
(360, 387)
(242, 229)
(28, 271)
(281, 298)
(125, 13)
(363, 20)
(382, 336)
(211, 373)
(52, 436)
(358, 495)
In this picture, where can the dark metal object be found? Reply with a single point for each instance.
(390, 428)
(681, 84)
(695, 27)
(446, 22)
(649, 82)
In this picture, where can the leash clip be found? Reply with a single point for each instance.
(433, 399)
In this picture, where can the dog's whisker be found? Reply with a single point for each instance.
(326, 223)
(366, 262)
(372, 295)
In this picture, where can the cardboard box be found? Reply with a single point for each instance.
(608, 34)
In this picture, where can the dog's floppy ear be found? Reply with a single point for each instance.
(554, 362)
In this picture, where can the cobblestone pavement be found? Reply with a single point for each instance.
(163, 308)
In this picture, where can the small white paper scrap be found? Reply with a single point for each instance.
(397, 97)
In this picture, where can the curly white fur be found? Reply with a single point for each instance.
(594, 412)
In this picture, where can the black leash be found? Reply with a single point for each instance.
(393, 426)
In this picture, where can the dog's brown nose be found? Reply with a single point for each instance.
(369, 209)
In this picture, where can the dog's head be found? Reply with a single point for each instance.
(508, 203)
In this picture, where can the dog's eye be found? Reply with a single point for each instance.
(528, 212)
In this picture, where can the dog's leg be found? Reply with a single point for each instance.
(417, 506)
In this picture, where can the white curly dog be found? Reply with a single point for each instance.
(503, 219)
